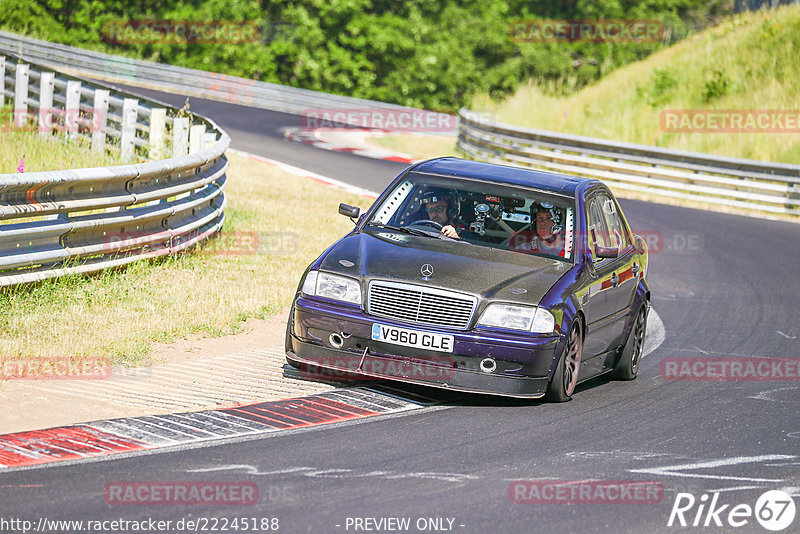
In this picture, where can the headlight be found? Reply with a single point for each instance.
(310, 283)
(527, 318)
(332, 286)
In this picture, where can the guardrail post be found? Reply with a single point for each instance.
(158, 122)
(130, 109)
(72, 109)
(180, 136)
(793, 194)
(94, 197)
(46, 87)
(197, 134)
(2, 80)
(99, 119)
(21, 95)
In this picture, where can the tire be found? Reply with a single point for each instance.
(627, 366)
(562, 386)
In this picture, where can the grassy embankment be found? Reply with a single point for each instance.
(748, 62)
(208, 291)
(23, 145)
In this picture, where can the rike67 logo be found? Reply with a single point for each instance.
(774, 510)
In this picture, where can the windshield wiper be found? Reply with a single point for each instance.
(403, 229)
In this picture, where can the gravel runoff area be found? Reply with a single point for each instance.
(189, 375)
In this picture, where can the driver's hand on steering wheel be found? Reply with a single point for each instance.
(450, 231)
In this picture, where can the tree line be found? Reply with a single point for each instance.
(421, 53)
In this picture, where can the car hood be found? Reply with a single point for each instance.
(481, 271)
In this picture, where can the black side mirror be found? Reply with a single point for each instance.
(349, 211)
(607, 252)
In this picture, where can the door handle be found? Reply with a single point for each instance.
(635, 268)
(614, 280)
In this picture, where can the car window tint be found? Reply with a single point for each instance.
(485, 214)
(616, 237)
(598, 234)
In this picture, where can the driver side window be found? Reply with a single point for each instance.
(598, 233)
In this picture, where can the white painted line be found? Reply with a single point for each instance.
(678, 470)
(367, 402)
(307, 174)
(735, 488)
(794, 491)
(118, 427)
(766, 394)
(315, 472)
(655, 333)
(250, 469)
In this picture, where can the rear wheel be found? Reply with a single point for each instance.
(562, 386)
(628, 364)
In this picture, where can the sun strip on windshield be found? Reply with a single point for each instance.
(390, 205)
(568, 235)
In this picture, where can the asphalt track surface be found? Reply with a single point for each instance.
(723, 285)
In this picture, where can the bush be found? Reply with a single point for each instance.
(716, 87)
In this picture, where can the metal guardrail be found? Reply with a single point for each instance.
(56, 223)
(192, 82)
(741, 183)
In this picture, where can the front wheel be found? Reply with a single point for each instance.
(628, 364)
(562, 386)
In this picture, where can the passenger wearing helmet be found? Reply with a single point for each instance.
(548, 234)
(442, 207)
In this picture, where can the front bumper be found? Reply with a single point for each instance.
(523, 363)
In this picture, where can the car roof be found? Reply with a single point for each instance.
(502, 174)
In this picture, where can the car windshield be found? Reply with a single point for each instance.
(514, 218)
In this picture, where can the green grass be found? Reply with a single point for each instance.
(747, 62)
(54, 152)
(208, 291)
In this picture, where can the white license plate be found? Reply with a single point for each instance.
(412, 338)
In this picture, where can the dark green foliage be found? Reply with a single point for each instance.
(419, 53)
(659, 89)
(717, 86)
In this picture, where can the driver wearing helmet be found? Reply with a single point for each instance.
(441, 207)
(548, 237)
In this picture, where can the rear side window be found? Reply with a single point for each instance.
(616, 236)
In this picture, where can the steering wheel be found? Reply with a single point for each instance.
(428, 222)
